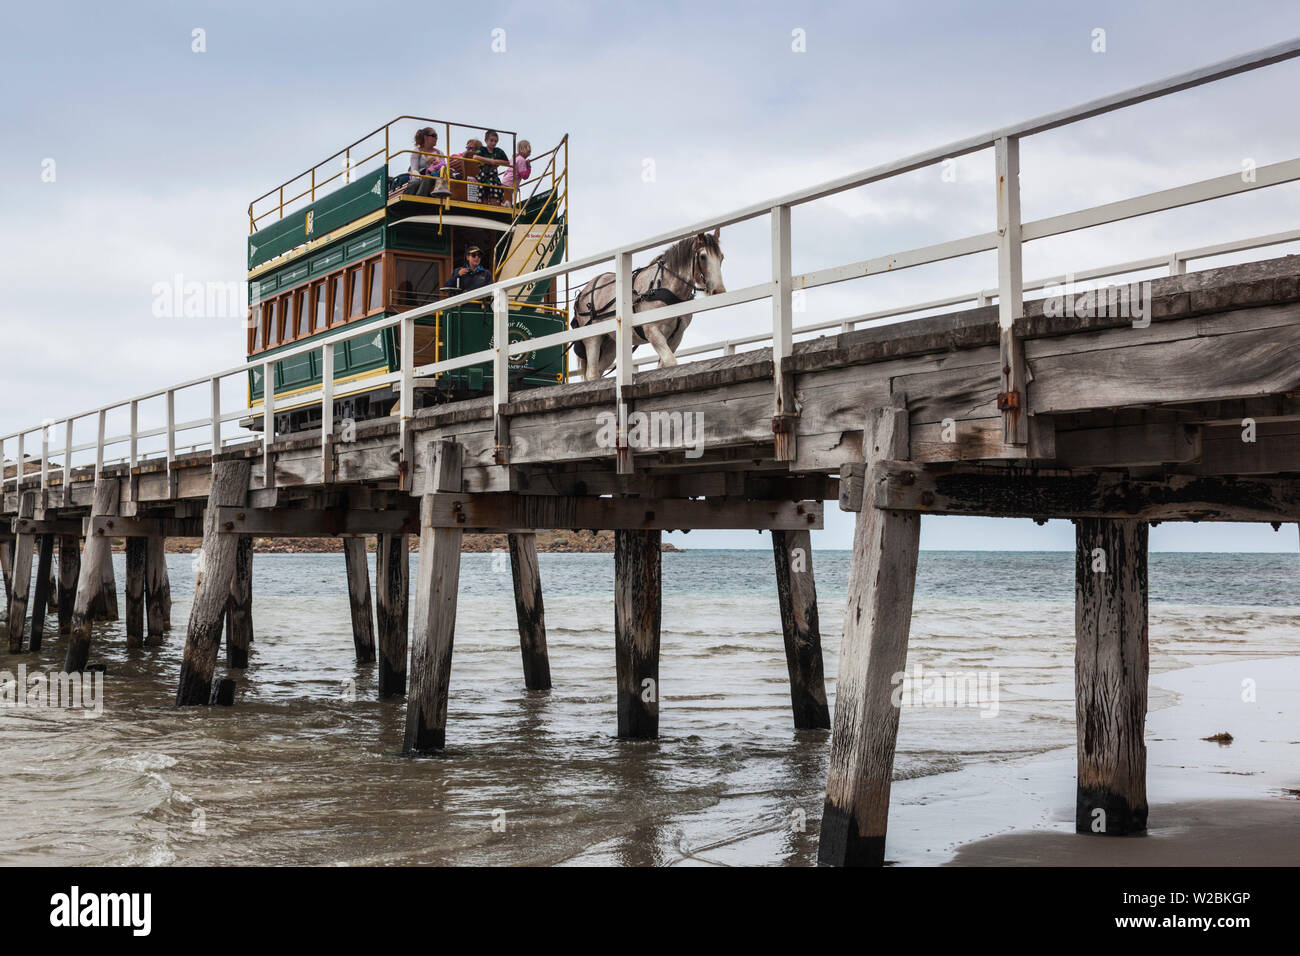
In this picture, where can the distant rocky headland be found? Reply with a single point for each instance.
(563, 542)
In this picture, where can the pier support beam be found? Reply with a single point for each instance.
(239, 608)
(797, 594)
(436, 589)
(90, 577)
(69, 571)
(1110, 674)
(211, 593)
(20, 588)
(363, 618)
(136, 551)
(637, 616)
(530, 611)
(52, 599)
(393, 587)
(45, 586)
(7, 566)
(877, 617)
(157, 588)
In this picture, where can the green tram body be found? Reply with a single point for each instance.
(330, 250)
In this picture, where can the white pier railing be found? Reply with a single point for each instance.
(1007, 235)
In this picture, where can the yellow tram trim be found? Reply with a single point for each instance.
(313, 244)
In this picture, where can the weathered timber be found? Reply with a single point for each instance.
(7, 566)
(530, 611)
(20, 589)
(637, 618)
(106, 601)
(796, 593)
(41, 601)
(437, 583)
(510, 512)
(877, 617)
(136, 552)
(157, 588)
(944, 489)
(212, 591)
(239, 606)
(52, 601)
(363, 618)
(392, 618)
(69, 571)
(1110, 674)
(90, 577)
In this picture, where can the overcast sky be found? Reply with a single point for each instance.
(157, 149)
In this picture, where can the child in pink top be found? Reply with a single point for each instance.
(515, 174)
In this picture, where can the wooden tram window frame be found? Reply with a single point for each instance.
(276, 317)
(302, 313)
(351, 284)
(318, 317)
(444, 263)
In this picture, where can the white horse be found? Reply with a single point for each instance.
(692, 265)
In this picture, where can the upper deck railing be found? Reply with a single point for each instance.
(383, 144)
(1006, 237)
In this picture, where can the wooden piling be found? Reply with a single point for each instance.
(392, 586)
(437, 583)
(239, 608)
(797, 594)
(90, 577)
(20, 586)
(1110, 674)
(105, 607)
(529, 610)
(363, 619)
(877, 616)
(7, 566)
(136, 550)
(69, 571)
(52, 598)
(41, 601)
(157, 588)
(229, 488)
(637, 616)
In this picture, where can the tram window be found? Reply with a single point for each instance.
(304, 310)
(286, 318)
(271, 326)
(255, 328)
(337, 293)
(415, 282)
(320, 312)
(375, 272)
(355, 300)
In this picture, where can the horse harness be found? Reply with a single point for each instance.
(657, 292)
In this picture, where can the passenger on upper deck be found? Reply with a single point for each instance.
(426, 161)
(471, 275)
(521, 169)
(490, 156)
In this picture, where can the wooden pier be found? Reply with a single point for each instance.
(1175, 400)
(1194, 418)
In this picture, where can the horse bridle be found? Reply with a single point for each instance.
(656, 284)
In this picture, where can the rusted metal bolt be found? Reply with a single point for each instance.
(908, 478)
(240, 516)
(230, 526)
(927, 498)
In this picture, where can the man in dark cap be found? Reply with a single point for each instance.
(471, 275)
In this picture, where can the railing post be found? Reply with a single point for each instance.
(406, 402)
(1177, 266)
(133, 443)
(67, 463)
(500, 375)
(268, 423)
(171, 430)
(783, 410)
(45, 462)
(327, 412)
(216, 415)
(18, 472)
(1012, 400)
(623, 368)
(99, 444)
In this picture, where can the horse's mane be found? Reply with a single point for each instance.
(677, 257)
